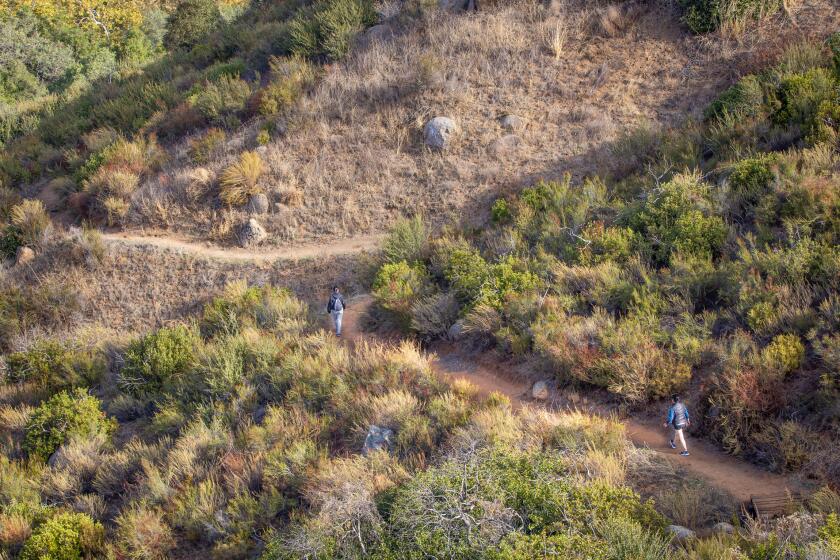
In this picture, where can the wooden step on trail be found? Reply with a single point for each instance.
(768, 506)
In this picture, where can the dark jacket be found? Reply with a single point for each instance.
(333, 298)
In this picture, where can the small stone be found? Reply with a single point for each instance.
(505, 145)
(724, 527)
(513, 123)
(540, 390)
(456, 330)
(251, 233)
(439, 131)
(377, 439)
(257, 204)
(680, 533)
(24, 255)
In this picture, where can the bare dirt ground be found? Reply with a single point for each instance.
(354, 152)
(738, 478)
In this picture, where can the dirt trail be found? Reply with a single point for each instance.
(304, 251)
(740, 479)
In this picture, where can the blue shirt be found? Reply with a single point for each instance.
(672, 412)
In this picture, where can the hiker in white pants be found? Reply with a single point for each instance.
(336, 307)
(679, 420)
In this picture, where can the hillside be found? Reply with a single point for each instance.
(633, 199)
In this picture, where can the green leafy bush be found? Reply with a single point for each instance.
(800, 97)
(785, 352)
(703, 16)
(191, 22)
(222, 100)
(463, 267)
(290, 77)
(158, 361)
(66, 536)
(64, 416)
(330, 28)
(407, 241)
(54, 366)
(397, 287)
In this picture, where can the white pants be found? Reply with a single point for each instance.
(678, 435)
(337, 315)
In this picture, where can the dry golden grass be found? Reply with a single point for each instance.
(351, 159)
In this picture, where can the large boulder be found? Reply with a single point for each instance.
(377, 439)
(680, 533)
(251, 233)
(540, 390)
(257, 204)
(24, 255)
(439, 132)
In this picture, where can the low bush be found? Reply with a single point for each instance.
(331, 26)
(65, 415)
(31, 222)
(290, 78)
(142, 534)
(221, 101)
(191, 22)
(54, 366)
(157, 362)
(203, 147)
(703, 16)
(785, 353)
(240, 180)
(67, 536)
(398, 286)
(407, 241)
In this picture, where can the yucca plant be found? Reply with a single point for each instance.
(239, 180)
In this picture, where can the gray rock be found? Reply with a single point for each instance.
(456, 330)
(680, 533)
(439, 131)
(506, 144)
(257, 204)
(723, 527)
(513, 123)
(540, 390)
(251, 233)
(24, 256)
(377, 439)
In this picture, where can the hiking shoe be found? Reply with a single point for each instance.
(684, 453)
(672, 444)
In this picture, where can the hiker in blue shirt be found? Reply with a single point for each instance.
(678, 419)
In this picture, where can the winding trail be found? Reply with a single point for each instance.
(740, 479)
(158, 240)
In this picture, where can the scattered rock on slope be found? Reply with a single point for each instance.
(513, 123)
(724, 527)
(257, 204)
(24, 255)
(439, 131)
(377, 439)
(680, 533)
(251, 233)
(540, 390)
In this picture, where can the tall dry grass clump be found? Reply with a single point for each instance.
(240, 180)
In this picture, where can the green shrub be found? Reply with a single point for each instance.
(397, 287)
(500, 212)
(677, 219)
(191, 22)
(507, 279)
(463, 267)
(67, 536)
(750, 180)
(222, 100)
(330, 28)
(800, 97)
(203, 147)
(407, 241)
(158, 361)
(703, 16)
(64, 416)
(785, 352)
(290, 79)
(54, 366)
(606, 244)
